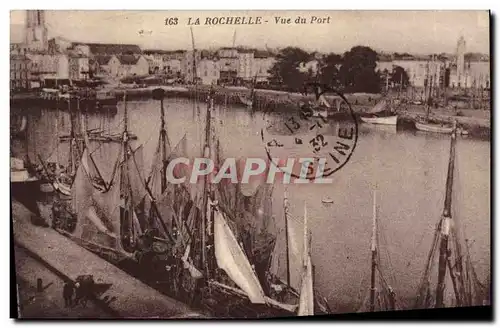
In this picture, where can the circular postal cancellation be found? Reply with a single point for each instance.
(314, 140)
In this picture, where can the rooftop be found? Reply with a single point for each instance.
(110, 48)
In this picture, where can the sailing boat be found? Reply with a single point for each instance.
(426, 123)
(110, 222)
(379, 114)
(381, 298)
(62, 181)
(235, 258)
(448, 242)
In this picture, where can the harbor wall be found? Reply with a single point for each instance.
(476, 122)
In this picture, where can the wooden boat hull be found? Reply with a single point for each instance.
(388, 120)
(431, 127)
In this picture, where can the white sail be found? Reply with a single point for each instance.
(306, 300)
(231, 258)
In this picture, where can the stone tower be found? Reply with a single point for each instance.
(36, 31)
(461, 58)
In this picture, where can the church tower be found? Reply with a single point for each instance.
(36, 31)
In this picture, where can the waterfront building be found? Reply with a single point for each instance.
(20, 72)
(78, 67)
(120, 65)
(131, 65)
(100, 65)
(245, 65)
(46, 66)
(420, 69)
(155, 59)
(229, 65)
(208, 71)
(263, 62)
(174, 55)
(172, 66)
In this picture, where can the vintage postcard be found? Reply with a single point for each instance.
(250, 164)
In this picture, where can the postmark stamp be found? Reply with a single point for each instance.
(321, 135)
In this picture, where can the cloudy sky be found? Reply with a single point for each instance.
(394, 31)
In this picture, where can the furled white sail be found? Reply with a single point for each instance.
(231, 258)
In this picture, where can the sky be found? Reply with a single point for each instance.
(418, 32)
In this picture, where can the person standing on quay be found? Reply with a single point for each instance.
(68, 290)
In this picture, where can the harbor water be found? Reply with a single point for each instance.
(408, 169)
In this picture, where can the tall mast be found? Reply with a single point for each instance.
(445, 223)
(430, 97)
(57, 136)
(71, 138)
(194, 75)
(194, 56)
(285, 205)
(400, 85)
(387, 83)
(163, 136)
(125, 171)
(374, 252)
(206, 189)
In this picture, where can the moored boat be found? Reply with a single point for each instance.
(380, 114)
(385, 120)
(434, 127)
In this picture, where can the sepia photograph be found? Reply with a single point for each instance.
(250, 164)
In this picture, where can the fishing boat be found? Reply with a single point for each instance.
(61, 176)
(434, 127)
(234, 255)
(454, 266)
(379, 114)
(111, 221)
(427, 124)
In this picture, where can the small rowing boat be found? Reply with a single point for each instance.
(327, 200)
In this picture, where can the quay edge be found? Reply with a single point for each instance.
(271, 101)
